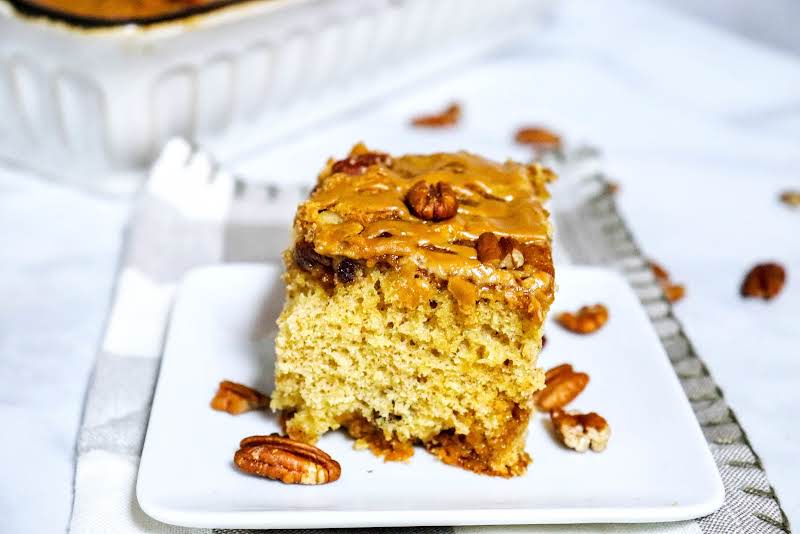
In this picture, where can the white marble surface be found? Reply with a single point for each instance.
(699, 127)
(771, 21)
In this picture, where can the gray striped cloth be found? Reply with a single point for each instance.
(192, 214)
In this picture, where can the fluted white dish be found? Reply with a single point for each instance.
(95, 105)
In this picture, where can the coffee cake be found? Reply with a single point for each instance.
(417, 287)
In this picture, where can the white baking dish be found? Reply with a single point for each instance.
(95, 105)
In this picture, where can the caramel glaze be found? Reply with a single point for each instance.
(364, 217)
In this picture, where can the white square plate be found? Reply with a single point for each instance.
(657, 466)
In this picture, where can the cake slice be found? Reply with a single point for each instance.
(417, 287)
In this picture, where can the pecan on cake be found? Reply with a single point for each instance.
(417, 287)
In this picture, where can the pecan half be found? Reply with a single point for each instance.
(489, 248)
(673, 292)
(561, 385)
(281, 458)
(791, 198)
(580, 431)
(537, 137)
(237, 398)
(658, 271)
(503, 252)
(586, 320)
(448, 117)
(765, 281)
(355, 165)
(432, 202)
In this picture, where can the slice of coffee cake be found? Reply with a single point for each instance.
(417, 288)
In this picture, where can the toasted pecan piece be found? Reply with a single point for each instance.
(791, 198)
(658, 271)
(580, 431)
(508, 253)
(765, 281)
(445, 118)
(673, 292)
(561, 385)
(358, 164)
(504, 252)
(432, 202)
(538, 137)
(586, 320)
(237, 398)
(281, 458)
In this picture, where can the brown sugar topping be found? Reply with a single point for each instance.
(474, 451)
(366, 217)
(369, 435)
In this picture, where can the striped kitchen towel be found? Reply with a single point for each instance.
(192, 213)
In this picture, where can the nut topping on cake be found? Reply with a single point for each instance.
(586, 320)
(383, 218)
(432, 202)
(580, 431)
(281, 458)
(504, 252)
(562, 385)
(237, 398)
(765, 281)
(358, 164)
(489, 248)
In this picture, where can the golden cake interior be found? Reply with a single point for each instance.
(396, 330)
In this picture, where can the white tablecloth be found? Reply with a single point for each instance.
(701, 129)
